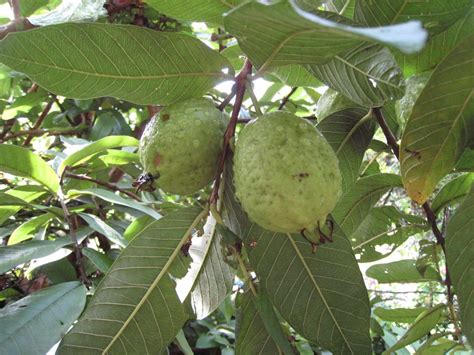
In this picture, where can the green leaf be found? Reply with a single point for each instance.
(27, 229)
(252, 333)
(280, 34)
(349, 134)
(466, 161)
(385, 226)
(403, 271)
(44, 316)
(103, 228)
(96, 147)
(29, 7)
(132, 63)
(136, 307)
(452, 192)
(14, 255)
(109, 123)
(137, 226)
(194, 10)
(183, 344)
(114, 198)
(321, 295)
(209, 278)
(354, 205)
(367, 74)
(31, 167)
(460, 260)
(101, 261)
(423, 324)
(9, 200)
(295, 75)
(399, 315)
(25, 194)
(438, 47)
(445, 109)
(436, 15)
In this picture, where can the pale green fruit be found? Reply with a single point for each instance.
(180, 147)
(286, 174)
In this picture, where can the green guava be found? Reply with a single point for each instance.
(286, 174)
(180, 147)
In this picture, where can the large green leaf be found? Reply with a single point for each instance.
(399, 315)
(403, 271)
(209, 278)
(27, 193)
(90, 60)
(276, 35)
(35, 323)
(436, 15)
(460, 260)
(136, 308)
(386, 226)
(31, 167)
(97, 147)
(367, 74)
(349, 137)
(440, 125)
(422, 325)
(27, 229)
(452, 192)
(194, 10)
(354, 206)
(321, 295)
(255, 316)
(14, 255)
(438, 46)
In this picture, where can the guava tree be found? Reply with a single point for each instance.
(126, 227)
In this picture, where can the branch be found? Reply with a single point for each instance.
(102, 183)
(15, 5)
(286, 98)
(240, 80)
(40, 132)
(40, 120)
(228, 99)
(430, 216)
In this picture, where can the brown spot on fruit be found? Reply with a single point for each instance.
(157, 159)
(165, 117)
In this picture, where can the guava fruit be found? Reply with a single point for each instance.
(286, 174)
(180, 146)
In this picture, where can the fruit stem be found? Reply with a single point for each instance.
(240, 80)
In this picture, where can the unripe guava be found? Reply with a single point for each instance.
(180, 147)
(286, 174)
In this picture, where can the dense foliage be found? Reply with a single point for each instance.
(96, 257)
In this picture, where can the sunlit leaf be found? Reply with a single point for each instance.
(452, 192)
(31, 167)
(26, 230)
(403, 271)
(399, 315)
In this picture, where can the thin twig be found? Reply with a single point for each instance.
(40, 119)
(230, 131)
(430, 216)
(248, 86)
(228, 99)
(286, 98)
(103, 183)
(40, 132)
(15, 5)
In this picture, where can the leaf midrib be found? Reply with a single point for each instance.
(300, 256)
(120, 77)
(156, 281)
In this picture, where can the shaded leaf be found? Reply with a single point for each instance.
(276, 35)
(135, 308)
(27, 229)
(382, 231)
(367, 74)
(96, 147)
(403, 271)
(438, 46)
(103, 228)
(101, 261)
(436, 15)
(414, 86)
(321, 295)
(423, 324)
(445, 109)
(354, 205)
(460, 260)
(295, 75)
(44, 315)
(31, 167)
(90, 60)
(399, 315)
(349, 134)
(452, 192)
(14, 255)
